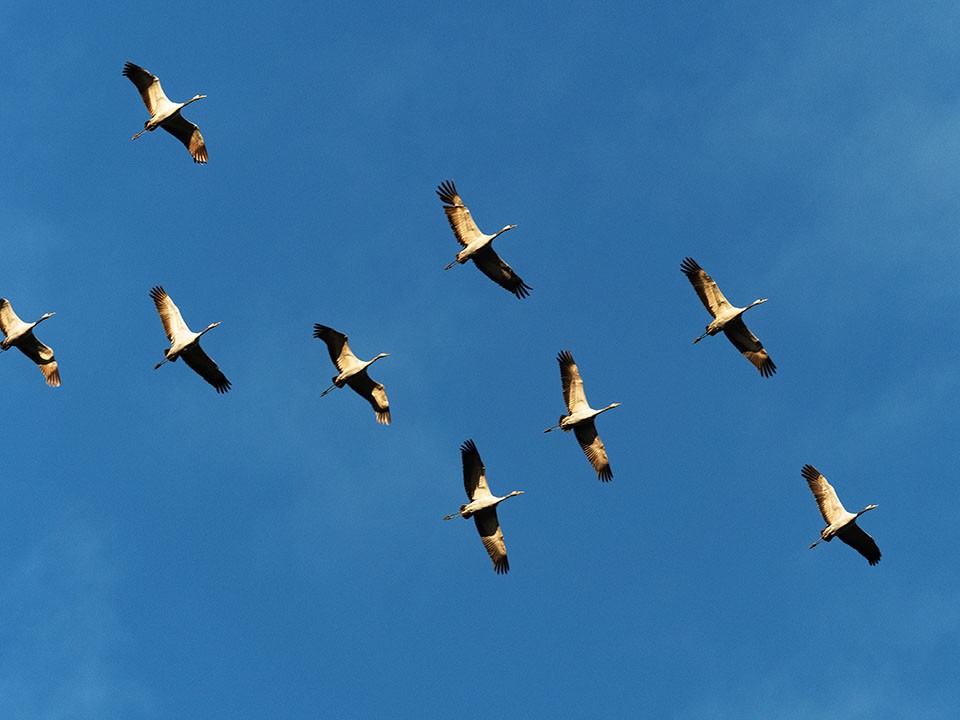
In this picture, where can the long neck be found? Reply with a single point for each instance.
(211, 326)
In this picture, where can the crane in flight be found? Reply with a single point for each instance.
(164, 113)
(184, 343)
(728, 318)
(476, 245)
(353, 372)
(580, 417)
(840, 523)
(483, 506)
(20, 335)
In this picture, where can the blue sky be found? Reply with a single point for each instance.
(170, 552)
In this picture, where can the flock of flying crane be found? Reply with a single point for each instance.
(352, 371)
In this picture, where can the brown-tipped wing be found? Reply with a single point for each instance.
(710, 295)
(830, 507)
(374, 393)
(748, 343)
(337, 346)
(573, 394)
(489, 528)
(148, 84)
(187, 133)
(42, 355)
(205, 367)
(170, 316)
(593, 448)
(496, 269)
(461, 222)
(855, 536)
(474, 474)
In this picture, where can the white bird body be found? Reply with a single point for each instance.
(483, 506)
(478, 246)
(165, 113)
(580, 417)
(727, 317)
(353, 371)
(19, 334)
(840, 522)
(184, 343)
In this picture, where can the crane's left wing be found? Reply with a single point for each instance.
(489, 528)
(374, 393)
(593, 448)
(205, 367)
(857, 538)
(748, 344)
(497, 270)
(187, 133)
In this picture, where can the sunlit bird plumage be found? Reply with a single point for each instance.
(476, 245)
(19, 334)
(483, 506)
(840, 523)
(166, 114)
(353, 372)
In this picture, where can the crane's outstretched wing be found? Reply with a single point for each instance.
(857, 538)
(187, 133)
(496, 269)
(489, 528)
(710, 295)
(374, 393)
(42, 355)
(573, 394)
(474, 474)
(748, 344)
(8, 318)
(464, 228)
(337, 346)
(205, 367)
(593, 448)
(149, 86)
(830, 506)
(170, 316)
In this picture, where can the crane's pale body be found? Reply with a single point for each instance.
(19, 334)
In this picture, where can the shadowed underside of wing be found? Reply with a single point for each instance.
(710, 295)
(187, 133)
(830, 506)
(496, 269)
(205, 367)
(748, 344)
(372, 392)
(489, 528)
(461, 222)
(593, 448)
(855, 536)
(42, 355)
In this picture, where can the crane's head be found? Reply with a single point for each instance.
(508, 227)
(46, 315)
(868, 507)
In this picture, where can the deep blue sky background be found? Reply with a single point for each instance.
(171, 553)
